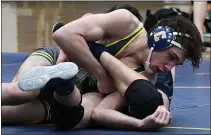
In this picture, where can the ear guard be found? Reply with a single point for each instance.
(160, 39)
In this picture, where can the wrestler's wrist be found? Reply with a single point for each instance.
(140, 125)
(99, 73)
(97, 49)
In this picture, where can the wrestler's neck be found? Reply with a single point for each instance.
(141, 55)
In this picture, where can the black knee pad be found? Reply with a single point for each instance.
(66, 117)
(142, 98)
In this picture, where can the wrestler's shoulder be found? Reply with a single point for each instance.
(126, 16)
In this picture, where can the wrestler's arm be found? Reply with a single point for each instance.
(111, 64)
(62, 57)
(107, 115)
(73, 37)
(111, 118)
(114, 119)
(121, 74)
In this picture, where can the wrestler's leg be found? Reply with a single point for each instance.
(67, 98)
(72, 99)
(71, 111)
(29, 113)
(89, 102)
(11, 93)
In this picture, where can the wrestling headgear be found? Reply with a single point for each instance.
(159, 39)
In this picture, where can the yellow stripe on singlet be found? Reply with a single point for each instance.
(140, 71)
(43, 53)
(48, 117)
(112, 43)
(129, 42)
(83, 79)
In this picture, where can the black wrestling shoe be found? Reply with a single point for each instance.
(63, 87)
(57, 26)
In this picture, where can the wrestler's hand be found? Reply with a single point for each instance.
(160, 118)
(105, 84)
(62, 57)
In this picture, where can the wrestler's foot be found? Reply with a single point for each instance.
(57, 26)
(38, 77)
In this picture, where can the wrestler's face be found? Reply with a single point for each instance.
(165, 60)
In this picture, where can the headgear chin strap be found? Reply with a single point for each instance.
(160, 39)
(147, 66)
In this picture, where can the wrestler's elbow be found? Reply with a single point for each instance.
(64, 38)
(60, 35)
(64, 33)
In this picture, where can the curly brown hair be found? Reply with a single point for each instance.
(192, 45)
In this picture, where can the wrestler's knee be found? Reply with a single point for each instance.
(90, 102)
(28, 113)
(142, 98)
(66, 117)
(91, 99)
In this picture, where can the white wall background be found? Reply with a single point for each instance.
(9, 22)
(9, 27)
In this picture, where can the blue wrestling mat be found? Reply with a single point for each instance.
(190, 104)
